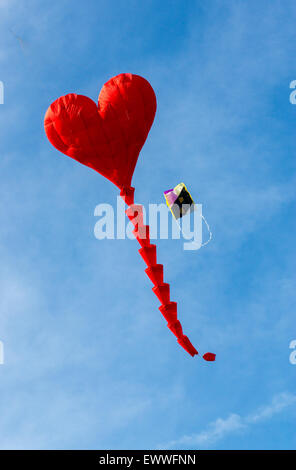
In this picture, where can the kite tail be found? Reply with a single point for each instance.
(155, 273)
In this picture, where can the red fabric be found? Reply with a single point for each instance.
(209, 356)
(127, 195)
(186, 344)
(176, 328)
(107, 137)
(142, 235)
(155, 273)
(169, 311)
(148, 254)
(135, 214)
(162, 292)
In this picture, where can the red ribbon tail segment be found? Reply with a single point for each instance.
(209, 357)
(155, 273)
(186, 344)
(127, 195)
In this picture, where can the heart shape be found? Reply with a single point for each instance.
(107, 137)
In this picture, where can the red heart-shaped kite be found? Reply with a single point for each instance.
(107, 137)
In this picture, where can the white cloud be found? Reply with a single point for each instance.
(234, 422)
(217, 430)
(278, 404)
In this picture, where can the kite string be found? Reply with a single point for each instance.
(210, 233)
(208, 228)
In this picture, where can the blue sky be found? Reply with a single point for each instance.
(89, 362)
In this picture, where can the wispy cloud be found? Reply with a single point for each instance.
(233, 423)
(278, 404)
